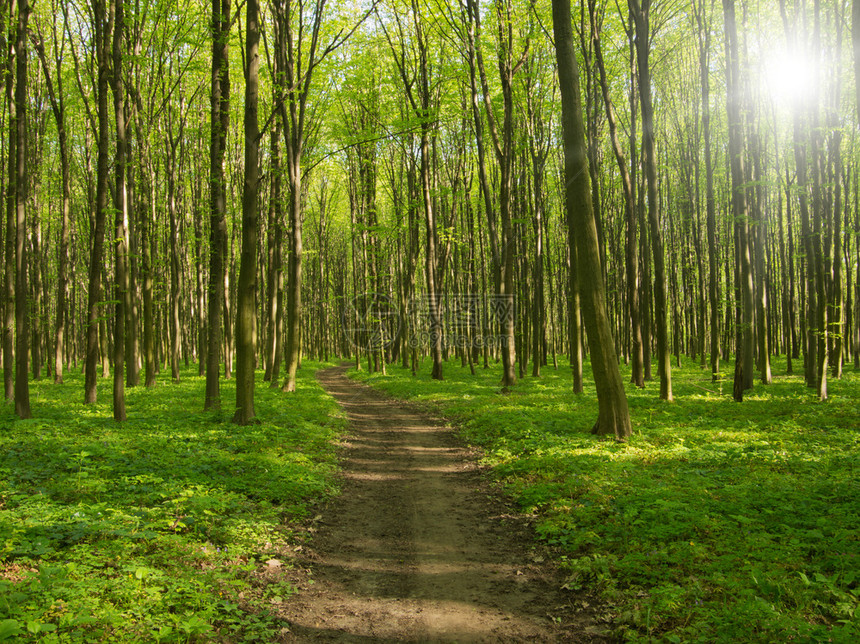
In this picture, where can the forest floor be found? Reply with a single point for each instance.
(714, 522)
(418, 548)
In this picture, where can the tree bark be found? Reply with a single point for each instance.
(739, 195)
(121, 291)
(613, 414)
(632, 243)
(103, 29)
(22, 313)
(298, 59)
(175, 274)
(640, 10)
(11, 225)
(219, 124)
(276, 269)
(246, 318)
(704, 42)
(760, 244)
(58, 107)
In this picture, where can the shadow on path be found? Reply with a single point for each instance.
(413, 550)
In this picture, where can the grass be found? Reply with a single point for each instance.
(716, 522)
(156, 529)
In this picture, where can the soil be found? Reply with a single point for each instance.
(418, 547)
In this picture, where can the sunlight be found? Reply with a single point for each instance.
(789, 76)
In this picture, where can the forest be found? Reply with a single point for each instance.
(616, 245)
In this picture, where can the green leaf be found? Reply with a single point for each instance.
(9, 628)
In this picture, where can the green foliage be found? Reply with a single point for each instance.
(154, 530)
(716, 522)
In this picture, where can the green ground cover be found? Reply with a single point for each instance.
(716, 522)
(154, 530)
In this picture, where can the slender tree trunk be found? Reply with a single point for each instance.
(63, 258)
(294, 286)
(201, 331)
(246, 318)
(120, 241)
(704, 40)
(801, 166)
(295, 86)
(220, 122)
(640, 10)
(276, 268)
(11, 225)
(147, 221)
(103, 27)
(175, 270)
(22, 314)
(121, 291)
(835, 319)
(739, 198)
(761, 290)
(132, 237)
(788, 283)
(613, 414)
(58, 106)
(632, 243)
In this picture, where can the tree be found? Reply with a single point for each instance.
(11, 209)
(416, 75)
(102, 30)
(503, 145)
(58, 106)
(219, 124)
(613, 415)
(246, 319)
(121, 285)
(297, 60)
(22, 313)
(640, 10)
(703, 39)
(744, 355)
(632, 243)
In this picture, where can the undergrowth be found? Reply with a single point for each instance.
(716, 522)
(156, 529)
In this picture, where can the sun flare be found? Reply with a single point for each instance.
(789, 77)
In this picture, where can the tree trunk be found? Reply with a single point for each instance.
(739, 196)
(121, 292)
(22, 314)
(761, 290)
(632, 243)
(11, 225)
(640, 10)
(201, 331)
(147, 221)
(275, 278)
(103, 28)
(294, 286)
(220, 122)
(246, 318)
(58, 107)
(63, 259)
(704, 41)
(175, 275)
(613, 415)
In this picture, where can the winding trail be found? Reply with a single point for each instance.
(415, 549)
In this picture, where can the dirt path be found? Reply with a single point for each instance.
(415, 550)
